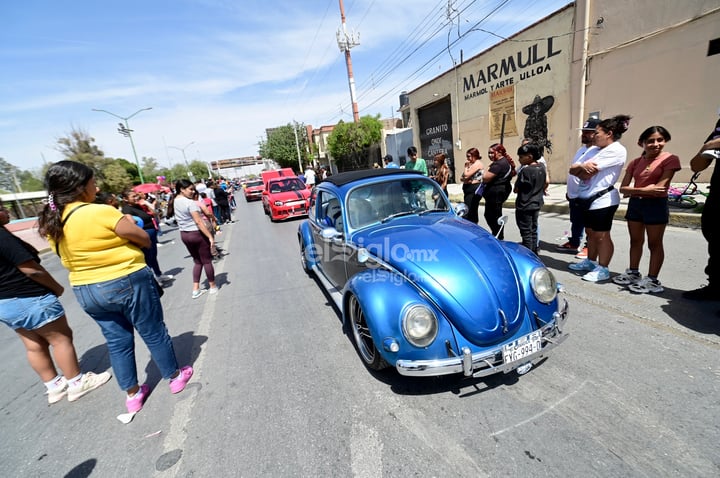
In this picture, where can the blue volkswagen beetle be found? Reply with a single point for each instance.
(422, 289)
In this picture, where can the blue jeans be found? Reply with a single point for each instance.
(577, 226)
(120, 307)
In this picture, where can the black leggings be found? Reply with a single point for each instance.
(495, 196)
(472, 201)
(198, 246)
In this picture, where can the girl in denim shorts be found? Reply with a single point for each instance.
(647, 213)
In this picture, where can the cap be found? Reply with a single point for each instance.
(590, 124)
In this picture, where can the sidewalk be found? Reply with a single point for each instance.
(555, 202)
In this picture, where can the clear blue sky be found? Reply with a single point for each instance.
(218, 72)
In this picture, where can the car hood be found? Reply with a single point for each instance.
(462, 267)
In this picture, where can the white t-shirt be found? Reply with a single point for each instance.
(309, 176)
(610, 161)
(573, 182)
(183, 213)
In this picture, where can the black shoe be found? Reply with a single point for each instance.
(703, 293)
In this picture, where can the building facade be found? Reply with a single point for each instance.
(657, 61)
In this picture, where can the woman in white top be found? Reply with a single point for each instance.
(598, 174)
(196, 236)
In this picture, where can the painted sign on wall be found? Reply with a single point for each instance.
(436, 135)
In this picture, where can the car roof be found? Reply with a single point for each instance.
(342, 179)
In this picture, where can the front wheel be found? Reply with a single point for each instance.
(304, 259)
(363, 338)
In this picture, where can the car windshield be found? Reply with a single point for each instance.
(254, 183)
(380, 202)
(286, 185)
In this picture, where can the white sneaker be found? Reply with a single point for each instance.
(59, 392)
(198, 293)
(164, 277)
(584, 265)
(213, 290)
(646, 286)
(89, 382)
(628, 277)
(598, 274)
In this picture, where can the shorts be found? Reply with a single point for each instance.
(599, 220)
(650, 211)
(30, 313)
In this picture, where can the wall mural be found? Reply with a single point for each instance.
(536, 127)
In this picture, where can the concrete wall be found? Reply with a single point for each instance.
(645, 58)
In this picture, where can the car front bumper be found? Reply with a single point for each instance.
(488, 362)
(285, 212)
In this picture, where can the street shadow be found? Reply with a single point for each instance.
(457, 384)
(187, 349)
(552, 262)
(700, 316)
(221, 280)
(82, 470)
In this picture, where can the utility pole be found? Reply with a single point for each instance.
(346, 42)
(124, 129)
(297, 146)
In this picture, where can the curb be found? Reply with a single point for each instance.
(678, 219)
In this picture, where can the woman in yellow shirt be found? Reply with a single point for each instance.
(101, 249)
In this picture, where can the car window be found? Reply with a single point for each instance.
(330, 212)
(376, 202)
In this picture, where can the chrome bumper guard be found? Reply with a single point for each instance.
(491, 361)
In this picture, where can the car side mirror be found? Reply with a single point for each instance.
(461, 209)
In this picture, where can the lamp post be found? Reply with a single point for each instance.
(190, 174)
(124, 129)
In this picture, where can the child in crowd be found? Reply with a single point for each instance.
(647, 212)
(529, 187)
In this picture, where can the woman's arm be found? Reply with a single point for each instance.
(201, 225)
(127, 229)
(36, 272)
(699, 162)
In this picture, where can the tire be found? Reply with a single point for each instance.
(683, 202)
(303, 259)
(362, 337)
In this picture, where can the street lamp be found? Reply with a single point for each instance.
(190, 174)
(124, 129)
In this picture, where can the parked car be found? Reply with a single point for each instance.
(285, 197)
(253, 190)
(420, 288)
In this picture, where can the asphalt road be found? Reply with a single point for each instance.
(279, 390)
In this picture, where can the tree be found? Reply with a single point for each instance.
(352, 144)
(281, 146)
(78, 146)
(7, 173)
(150, 169)
(116, 178)
(29, 181)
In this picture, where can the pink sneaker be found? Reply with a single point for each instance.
(178, 383)
(135, 403)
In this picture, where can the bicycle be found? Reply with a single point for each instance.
(683, 197)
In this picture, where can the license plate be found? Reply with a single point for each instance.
(295, 203)
(522, 347)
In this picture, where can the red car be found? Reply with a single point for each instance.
(285, 197)
(253, 190)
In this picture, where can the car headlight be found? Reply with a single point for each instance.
(278, 203)
(419, 325)
(544, 285)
